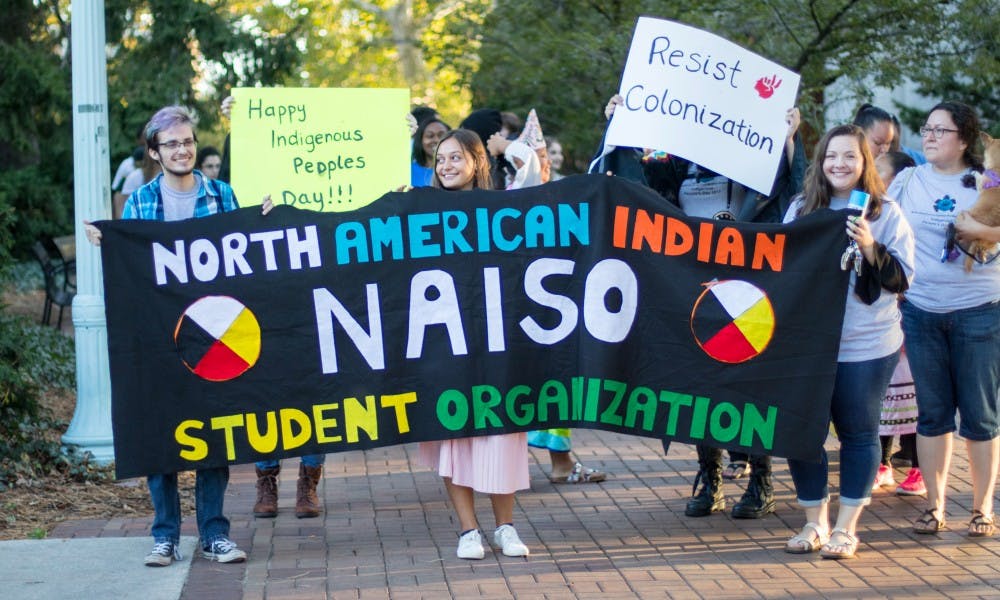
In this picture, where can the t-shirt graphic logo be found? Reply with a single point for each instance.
(946, 204)
(218, 338)
(732, 320)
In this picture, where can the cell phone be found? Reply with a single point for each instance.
(858, 201)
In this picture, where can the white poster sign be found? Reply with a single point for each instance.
(701, 97)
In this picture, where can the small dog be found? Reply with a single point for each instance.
(986, 210)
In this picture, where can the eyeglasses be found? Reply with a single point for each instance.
(938, 132)
(174, 145)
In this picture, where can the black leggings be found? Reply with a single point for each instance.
(908, 445)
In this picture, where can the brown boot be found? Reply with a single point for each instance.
(267, 493)
(306, 500)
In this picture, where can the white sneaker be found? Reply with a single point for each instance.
(162, 555)
(506, 537)
(470, 546)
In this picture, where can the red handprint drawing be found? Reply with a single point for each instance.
(766, 85)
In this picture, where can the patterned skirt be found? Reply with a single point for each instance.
(899, 407)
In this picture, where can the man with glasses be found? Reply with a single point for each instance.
(182, 192)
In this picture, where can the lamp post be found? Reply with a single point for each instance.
(90, 429)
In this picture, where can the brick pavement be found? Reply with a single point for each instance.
(388, 532)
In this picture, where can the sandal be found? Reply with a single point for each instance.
(981, 525)
(736, 470)
(807, 541)
(929, 523)
(581, 474)
(841, 545)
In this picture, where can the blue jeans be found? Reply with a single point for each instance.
(309, 460)
(955, 360)
(209, 492)
(857, 401)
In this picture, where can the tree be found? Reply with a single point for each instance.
(969, 65)
(35, 139)
(160, 52)
(390, 43)
(197, 51)
(565, 58)
(562, 58)
(863, 43)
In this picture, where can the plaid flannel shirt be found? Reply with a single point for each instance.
(146, 203)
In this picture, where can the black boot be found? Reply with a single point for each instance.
(708, 498)
(758, 500)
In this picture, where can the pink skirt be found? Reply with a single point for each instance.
(491, 464)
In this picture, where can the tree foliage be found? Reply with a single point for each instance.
(562, 58)
(565, 58)
(160, 52)
(857, 44)
(968, 66)
(392, 43)
(200, 50)
(35, 128)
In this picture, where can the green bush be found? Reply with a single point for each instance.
(7, 222)
(18, 391)
(23, 277)
(36, 140)
(32, 206)
(33, 360)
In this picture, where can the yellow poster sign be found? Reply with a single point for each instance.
(324, 149)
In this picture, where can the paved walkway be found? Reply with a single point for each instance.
(388, 532)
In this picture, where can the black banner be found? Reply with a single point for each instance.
(428, 315)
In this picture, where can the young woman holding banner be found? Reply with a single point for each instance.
(494, 464)
(870, 341)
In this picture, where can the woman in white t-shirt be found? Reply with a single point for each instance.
(952, 317)
(870, 338)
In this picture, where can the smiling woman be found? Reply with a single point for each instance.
(870, 341)
(460, 163)
(495, 464)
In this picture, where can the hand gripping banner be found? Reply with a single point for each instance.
(427, 315)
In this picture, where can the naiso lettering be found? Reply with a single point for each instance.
(609, 278)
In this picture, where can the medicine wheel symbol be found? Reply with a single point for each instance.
(732, 320)
(218, 338)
